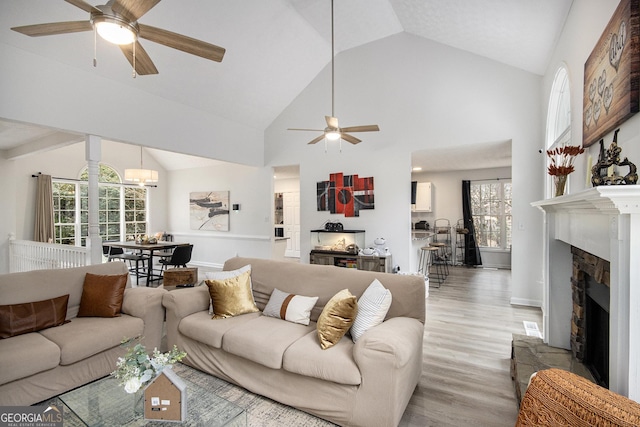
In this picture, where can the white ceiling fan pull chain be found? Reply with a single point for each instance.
(95, 47)
(134, 60)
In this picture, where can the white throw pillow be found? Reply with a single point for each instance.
(290, 307)
(373, 306)
(224, 275)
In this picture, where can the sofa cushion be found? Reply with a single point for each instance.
(305, 357)
(290, 307)
(26, 355)
(200, 327)
(18, 319)
(373, 306)
(231, 296)
(102, 295)
(85, 336)
(264, 339)
(336, 318)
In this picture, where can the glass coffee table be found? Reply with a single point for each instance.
(105, 403)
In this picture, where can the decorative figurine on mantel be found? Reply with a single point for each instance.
(603, 172)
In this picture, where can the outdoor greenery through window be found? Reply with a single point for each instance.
(491, 210)
(122, 209)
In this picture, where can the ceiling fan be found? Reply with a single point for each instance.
(117, 22)
(333, 131)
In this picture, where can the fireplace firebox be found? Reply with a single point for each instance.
(596, 354)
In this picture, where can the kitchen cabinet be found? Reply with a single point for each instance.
(423, 197)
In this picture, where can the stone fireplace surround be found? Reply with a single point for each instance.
(584, 265)
(603, 221)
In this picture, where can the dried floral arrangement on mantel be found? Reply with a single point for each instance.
(604, 172)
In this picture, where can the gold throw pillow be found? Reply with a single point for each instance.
(336, 318)
(232, 296)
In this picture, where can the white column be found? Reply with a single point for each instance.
(93, 156)
(634, 307)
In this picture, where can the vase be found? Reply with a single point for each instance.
(560, 182)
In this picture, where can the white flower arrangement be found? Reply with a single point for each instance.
(136, 368)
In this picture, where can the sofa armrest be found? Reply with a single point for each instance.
(180, 304)
(389, 357)
(146, 304)
(187, 301)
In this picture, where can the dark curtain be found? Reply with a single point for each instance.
(471, 250)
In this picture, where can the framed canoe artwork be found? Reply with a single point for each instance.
(612, 75)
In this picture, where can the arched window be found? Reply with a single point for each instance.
(559, 114)
(122, 208)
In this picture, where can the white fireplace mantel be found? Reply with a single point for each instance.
(604, 221)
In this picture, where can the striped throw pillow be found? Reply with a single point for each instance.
(373, 306)
(290, 307)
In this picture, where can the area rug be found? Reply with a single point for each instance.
(261, 411)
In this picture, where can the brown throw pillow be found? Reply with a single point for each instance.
(232, 296)
(336, 318)
(18, 319)
(102, 295)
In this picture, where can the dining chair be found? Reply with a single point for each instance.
(118, 253)
(179, 258)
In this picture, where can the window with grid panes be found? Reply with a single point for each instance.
(120, 207)
(491, 211)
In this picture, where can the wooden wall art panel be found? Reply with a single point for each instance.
(611, 75)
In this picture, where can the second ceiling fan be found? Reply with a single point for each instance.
(333, 131)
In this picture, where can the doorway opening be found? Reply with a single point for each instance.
(286, 211)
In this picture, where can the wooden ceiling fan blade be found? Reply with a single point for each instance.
(366, 128)
(332, 122)
(83, 5)
(133, 9)
(53, 28)
(183, 43)
(349, 138)
(144, 64)
(310, 130)
(313, 141)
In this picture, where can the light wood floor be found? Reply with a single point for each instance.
(467, 348)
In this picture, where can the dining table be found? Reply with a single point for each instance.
(149, 248)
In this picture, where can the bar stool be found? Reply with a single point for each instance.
(427, 260)
(441, 257)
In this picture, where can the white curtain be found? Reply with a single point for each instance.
(43, 230)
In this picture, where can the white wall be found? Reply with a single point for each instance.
(45, 92)
(250, 228)
(422, 94)
(7, 210)
(286, 185)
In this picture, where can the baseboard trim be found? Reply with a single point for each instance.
(525, 301)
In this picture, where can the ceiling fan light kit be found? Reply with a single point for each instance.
(117, 22)
(114, 29)
(333, 131)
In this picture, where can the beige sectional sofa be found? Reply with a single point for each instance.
(367, 383)
(39, 365)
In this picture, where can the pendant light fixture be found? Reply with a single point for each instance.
(141, 176)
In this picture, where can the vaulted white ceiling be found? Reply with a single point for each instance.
(275, 48)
